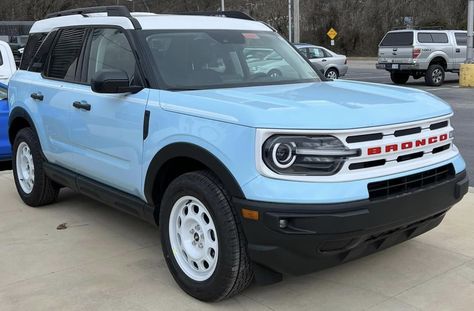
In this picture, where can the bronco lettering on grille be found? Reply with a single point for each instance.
(407, 145)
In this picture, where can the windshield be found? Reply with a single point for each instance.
(204, 59)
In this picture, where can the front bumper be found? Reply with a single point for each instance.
(319, 236)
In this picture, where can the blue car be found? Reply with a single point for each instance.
(249, 174)
(5, 148)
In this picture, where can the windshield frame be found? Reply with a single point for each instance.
(159, 82)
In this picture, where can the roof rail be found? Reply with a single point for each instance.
(418, 28)
(111, 10)
(230, 14)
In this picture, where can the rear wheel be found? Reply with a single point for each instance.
(399, 78)
(33, 186)
(202, 241)
(332, 73)
(435, 75)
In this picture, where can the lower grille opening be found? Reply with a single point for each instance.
(441, 149)
(411, 156)
(396, 186)
(368, 164)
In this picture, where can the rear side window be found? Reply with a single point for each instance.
(461, 39)
(32, 46)
(432, 37)
(65, 54)
(1, 59)
(398, 39)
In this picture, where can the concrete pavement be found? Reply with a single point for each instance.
(107, 260)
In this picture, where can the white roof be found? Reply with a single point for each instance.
(150, 21)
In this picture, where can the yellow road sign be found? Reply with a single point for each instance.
(332, 33)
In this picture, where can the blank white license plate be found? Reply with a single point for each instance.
(394, 66)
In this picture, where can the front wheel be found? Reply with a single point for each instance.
(202, 241)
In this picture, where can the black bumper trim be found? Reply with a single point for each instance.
(322, 235)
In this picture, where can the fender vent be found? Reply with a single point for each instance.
(397, 186)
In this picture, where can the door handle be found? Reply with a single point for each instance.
(458, 50)
(37, 96)
(324, 60)
(81, 105)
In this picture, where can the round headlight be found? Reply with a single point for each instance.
(284, 155)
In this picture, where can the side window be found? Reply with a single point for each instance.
(110, 50)
(461, 39)
(432, 37)
(326, 54)
(440, 37)
(32, 46)
(424, 37)
(316, 53)
(65, 54)
(1, 59)
(304, 51)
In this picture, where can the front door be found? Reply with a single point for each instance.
(106, 130)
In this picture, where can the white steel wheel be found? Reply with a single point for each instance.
(25, 167)
(193, 238)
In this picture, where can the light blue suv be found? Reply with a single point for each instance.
(249, 175)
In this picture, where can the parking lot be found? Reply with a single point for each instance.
(81, 255)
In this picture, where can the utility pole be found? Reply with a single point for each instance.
(296, 18)
(470, 33)
(290, 21)
(222, 5)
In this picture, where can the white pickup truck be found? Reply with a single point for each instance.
(7, 63)
(422, 53)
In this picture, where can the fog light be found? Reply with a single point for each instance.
(283, 223)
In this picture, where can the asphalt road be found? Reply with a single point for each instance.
(461, 99)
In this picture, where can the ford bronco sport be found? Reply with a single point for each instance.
(249, 176)
(422, 53)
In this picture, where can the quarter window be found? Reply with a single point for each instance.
(65, 55)
(110, 50)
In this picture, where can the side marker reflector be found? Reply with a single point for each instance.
(250, 214)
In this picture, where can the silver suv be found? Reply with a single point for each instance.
(422, 53)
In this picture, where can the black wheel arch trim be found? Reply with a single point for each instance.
(19, 113)
(197, 153)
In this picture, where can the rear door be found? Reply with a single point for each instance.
(460, 49)
(107, 138)
(52, 90)
(396, 48)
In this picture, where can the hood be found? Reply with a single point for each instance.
(322, 105)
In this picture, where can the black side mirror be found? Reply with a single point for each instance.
(113, 82)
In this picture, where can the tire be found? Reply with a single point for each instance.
(435, 75)
(332, 73)
(28, 166)
(229, 271)
(399, 78)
